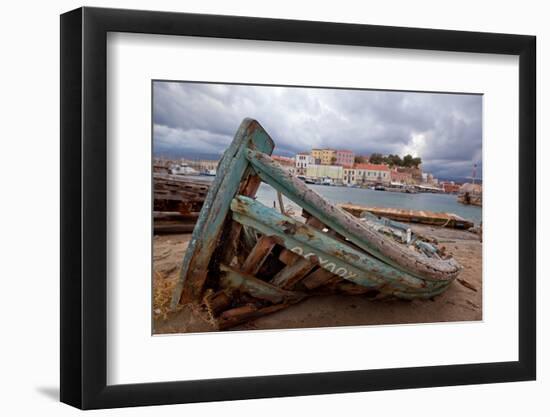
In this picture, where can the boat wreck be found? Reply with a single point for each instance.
(177, 202)
(412, 216)
(246, 260)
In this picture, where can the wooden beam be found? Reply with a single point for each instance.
(288, 258)
(290, 275)
(237, 280)
(318, 278)
(257, 256)
(239, 315)
(231, 170)
(375, 244)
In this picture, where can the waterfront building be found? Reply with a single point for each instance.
(350, 176)
(401, 177)
(372, 173)
(324, 156)
(302, 161)
(428, 178)
(319, 172)
(345, 158)
(450, 187)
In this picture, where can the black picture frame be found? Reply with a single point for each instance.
(84, 207)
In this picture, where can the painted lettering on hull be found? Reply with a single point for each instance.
(326, 263)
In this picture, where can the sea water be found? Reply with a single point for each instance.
(446, 203)
(421, 201)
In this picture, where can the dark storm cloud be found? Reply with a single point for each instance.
(200, 119)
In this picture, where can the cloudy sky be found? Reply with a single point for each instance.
(199, 120)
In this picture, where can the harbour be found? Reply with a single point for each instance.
(435, 202)
(446, 203)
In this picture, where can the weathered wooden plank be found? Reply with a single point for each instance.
(331, 254)
(173, 222)
(410, 295)
(316, 223)
(350, 288)
(255, 287)
(175, 215)
(290, 275)
(216, 302)
(318, 278)
(230, 172)
(184, 207)
(376, 244)
(248, 188)
(177, 196)
(287, 257)
(239, 315)
(257, 256)
(172, 227)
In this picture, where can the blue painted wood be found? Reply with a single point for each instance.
(329, 253)
(230, 174)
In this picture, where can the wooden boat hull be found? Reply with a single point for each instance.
(245, 259)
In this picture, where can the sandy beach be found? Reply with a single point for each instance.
(461, 302)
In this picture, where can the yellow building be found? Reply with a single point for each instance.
(316, 154)
(324, 156)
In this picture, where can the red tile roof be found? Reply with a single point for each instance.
(283, 160)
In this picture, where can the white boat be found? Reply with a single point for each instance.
(182, 169)
(209, 172)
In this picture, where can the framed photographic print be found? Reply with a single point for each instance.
(257, 207)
